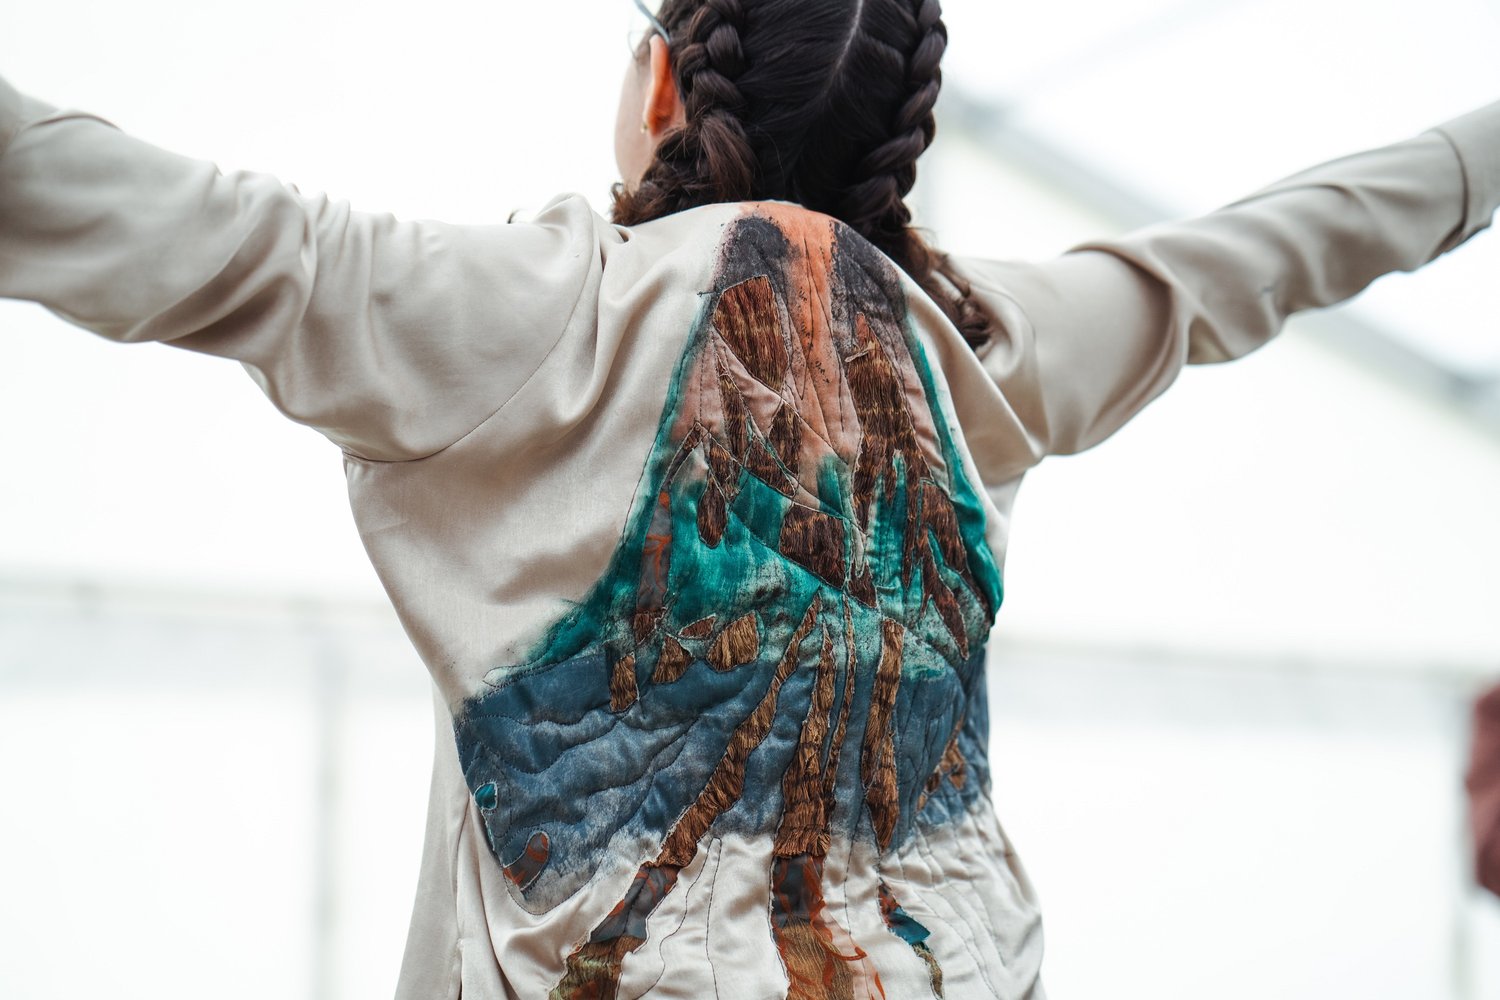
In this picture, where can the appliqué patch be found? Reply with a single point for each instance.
(788, 643)
(913, 933)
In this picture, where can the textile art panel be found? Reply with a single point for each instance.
(788, 642)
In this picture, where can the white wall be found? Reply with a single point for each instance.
(206, 795)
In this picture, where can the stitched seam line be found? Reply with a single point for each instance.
(492, 414)
(1470, 224)
(11, 103)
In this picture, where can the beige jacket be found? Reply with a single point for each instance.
(699, 525)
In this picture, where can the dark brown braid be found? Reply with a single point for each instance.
(710, 159)
(827, 103)
(876, 204)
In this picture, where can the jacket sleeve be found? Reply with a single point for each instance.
(393, 338)
(1088, 339)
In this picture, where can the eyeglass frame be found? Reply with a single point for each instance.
(656, 26)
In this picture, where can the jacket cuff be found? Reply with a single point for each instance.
(1476, 138)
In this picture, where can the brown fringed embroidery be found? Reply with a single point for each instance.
(672, 662)
(878, 763)
(643, 624)
(713, 516)
(725, 468)
(913, 933)
(528, 867)
(761, 464)
(736, 416)
(593, 970)
(841, 729)
(941, 520)
(804, 822)
(939, 517)
(815, 967)
(886, 432)
(953, 763)
(738, 644)
(952, 766)
(786, 436)
(815, 540)
(748, 319)
(622, 688)
(935, 590)
(862, 587)
(728, 781)
(822, 961)
(700, 629)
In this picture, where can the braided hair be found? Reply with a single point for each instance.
(826, 103)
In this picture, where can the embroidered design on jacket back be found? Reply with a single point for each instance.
(788, 644)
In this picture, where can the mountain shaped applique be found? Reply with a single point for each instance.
(788, 644)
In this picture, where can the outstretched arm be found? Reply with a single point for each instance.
(393, 338)
(1091, 337)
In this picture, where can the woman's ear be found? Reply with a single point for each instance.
(663, 110)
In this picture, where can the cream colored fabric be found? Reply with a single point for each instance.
(495, 389)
